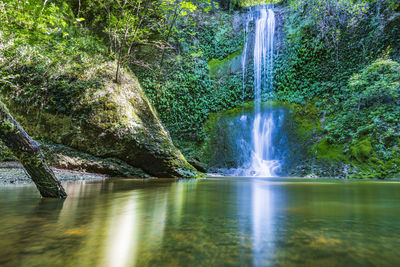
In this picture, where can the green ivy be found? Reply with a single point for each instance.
(352, 81)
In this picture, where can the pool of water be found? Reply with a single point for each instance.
(207, 222)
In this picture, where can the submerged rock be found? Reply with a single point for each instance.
(95, 115)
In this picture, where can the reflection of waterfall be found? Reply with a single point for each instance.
(263, 228)
(262, 161)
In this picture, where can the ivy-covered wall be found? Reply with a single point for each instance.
(344, 60)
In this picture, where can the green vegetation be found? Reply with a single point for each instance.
(166, 43)
(338, 66)
(183, 91)
(43, 57)
(65, 84)
(343, 57)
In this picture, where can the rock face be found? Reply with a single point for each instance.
(66, 158)
(107, 120)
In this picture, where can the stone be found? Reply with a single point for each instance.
(109, 120)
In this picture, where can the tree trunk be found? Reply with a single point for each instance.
(29, 154)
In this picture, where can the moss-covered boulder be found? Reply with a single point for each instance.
(85, 109)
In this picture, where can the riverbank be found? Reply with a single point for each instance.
(13, 173)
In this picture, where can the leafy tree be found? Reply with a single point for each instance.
(126, 25)
(332, 17)
(172, 9)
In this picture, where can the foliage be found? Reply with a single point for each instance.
(217, 39)
(124, 26)
(45, 53)
(129, 24)
(187, 95)
(322, 52)
(326, 43)
(331, 17)
(184, 83)
(371, 109)
(313, 66)
(62, 41)
(184, 93)
(377, 84)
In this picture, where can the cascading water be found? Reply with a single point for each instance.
(262, 161)
(255, 141)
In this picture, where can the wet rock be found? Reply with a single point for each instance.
(64, 157)
(201, 167)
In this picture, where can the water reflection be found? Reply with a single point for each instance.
(227, 221)
(262, 216)
(121, 244)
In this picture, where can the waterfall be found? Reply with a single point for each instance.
(262, 161)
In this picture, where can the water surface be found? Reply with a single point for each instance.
(207, 222)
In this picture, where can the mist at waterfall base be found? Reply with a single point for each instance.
(257, 137)
(233, 140)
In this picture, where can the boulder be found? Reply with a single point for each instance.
(103, 118)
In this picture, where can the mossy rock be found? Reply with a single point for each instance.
(108, 120)
(230, 64)
(325, 150)
(362, 151)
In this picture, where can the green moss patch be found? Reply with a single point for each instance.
(217, 65)
(362, 150)
(325, 150)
